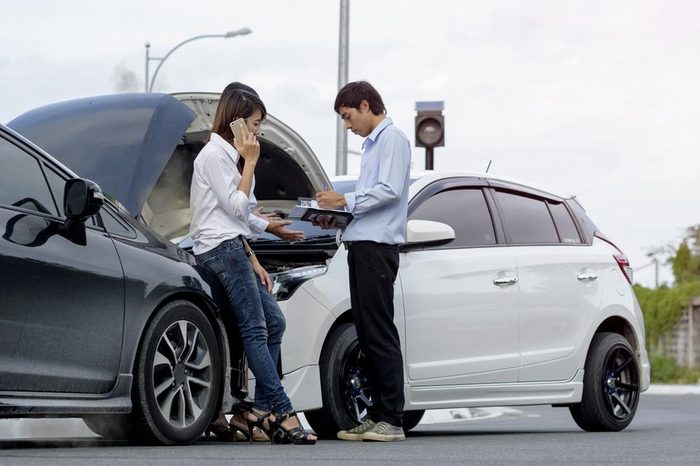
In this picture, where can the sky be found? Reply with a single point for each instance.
(595, 98)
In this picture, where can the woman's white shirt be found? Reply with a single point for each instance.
(219, 210)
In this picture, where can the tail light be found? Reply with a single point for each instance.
(624, 264)
(620, 258)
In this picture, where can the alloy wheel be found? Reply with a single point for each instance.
(356, 392)
(620, 383)
(182, 373)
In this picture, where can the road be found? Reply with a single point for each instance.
(666, 430)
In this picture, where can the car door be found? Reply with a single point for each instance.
(460, 298)
(62, 306)
(559, 293)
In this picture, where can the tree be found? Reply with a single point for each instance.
(686, 261)
(664, 305)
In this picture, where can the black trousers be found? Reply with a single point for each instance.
(373, 267)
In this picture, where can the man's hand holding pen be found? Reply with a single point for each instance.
(328, 200)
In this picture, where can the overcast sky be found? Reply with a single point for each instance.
(594, 98)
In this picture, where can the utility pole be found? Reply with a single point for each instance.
(341, 140)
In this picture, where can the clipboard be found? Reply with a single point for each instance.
(308, 210)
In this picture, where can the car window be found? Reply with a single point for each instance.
(528, 219)
(22, 182)
(114, 224)
(58, 186)
(565, 224)
(466, 211)
(584, 220)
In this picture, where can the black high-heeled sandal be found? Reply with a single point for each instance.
(259, 422)
(296, 435)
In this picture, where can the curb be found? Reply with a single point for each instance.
(672, 389)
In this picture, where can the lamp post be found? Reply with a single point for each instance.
(148, 86)
(341, 135)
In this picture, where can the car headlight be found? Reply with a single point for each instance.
(285, 283)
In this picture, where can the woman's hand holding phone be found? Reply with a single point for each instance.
(248, 147)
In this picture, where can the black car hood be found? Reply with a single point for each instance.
(121, 141)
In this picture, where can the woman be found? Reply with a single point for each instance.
(221, 188)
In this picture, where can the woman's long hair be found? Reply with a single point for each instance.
(234, 105)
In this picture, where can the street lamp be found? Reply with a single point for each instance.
(149, 85)
(341, 133)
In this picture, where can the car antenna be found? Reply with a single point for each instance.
(488, 166)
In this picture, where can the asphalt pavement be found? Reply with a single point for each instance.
(665, 430)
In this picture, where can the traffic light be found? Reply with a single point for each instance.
(430, 128)
(430, 124)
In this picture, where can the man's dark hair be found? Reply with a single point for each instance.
(352, 94)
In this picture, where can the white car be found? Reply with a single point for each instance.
(506, 294)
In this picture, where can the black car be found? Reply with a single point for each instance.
(139, 148)
(100, 317)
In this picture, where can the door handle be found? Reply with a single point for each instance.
(587, 276)
(505, 281)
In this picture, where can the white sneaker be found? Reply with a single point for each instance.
(356, 432)
(384, 432)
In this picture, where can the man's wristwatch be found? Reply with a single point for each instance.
(250, 253)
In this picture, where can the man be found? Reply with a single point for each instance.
(379, 205)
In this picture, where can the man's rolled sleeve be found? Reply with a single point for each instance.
(350, 201)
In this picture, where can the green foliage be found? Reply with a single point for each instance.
(665, 370)
(662, 307)
(686, 260)
(686, 266)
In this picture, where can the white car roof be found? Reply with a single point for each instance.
(425, 177)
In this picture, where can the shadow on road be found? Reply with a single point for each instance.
(59, 443)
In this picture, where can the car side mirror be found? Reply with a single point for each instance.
(82, 199)
(424, 233)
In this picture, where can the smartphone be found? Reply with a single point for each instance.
(237, 129)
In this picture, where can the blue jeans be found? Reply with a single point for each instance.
(260, 320)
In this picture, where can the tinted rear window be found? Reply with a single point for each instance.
(565, 224)
(583, 219)
(528, 219)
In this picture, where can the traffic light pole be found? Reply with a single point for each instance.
(428, 158)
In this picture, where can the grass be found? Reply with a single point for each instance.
(665, 370)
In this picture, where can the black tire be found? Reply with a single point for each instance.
(176, 394)
(344, 387)
(610, 385)
(411, 419)
(112, 426)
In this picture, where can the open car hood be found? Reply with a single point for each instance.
(287, 168)
(121, 141)
(140, 149)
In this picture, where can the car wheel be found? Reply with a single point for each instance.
(344, 387)
(610, 385)
(411, 419)
(177, 376)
